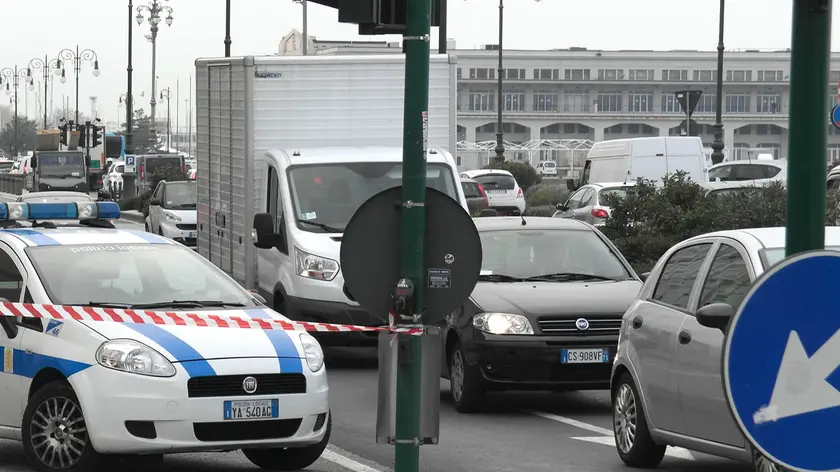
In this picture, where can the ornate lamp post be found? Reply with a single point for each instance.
(76, 57)
(45, 65)
(154, 10)
(718, 144)
(14, 75)
(166, 94)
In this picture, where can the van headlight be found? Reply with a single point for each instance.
(133, 357)
(502, 323)
(312, 352)
(315, 267)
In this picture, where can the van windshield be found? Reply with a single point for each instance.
(325, 196)
(61, 164)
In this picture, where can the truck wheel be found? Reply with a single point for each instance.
(55, 435)
(289, 458)
(467, 383)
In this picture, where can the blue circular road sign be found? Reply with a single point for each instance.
(835, 116)
(781, 359)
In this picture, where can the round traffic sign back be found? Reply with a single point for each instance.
(835, 116)
(781, 359)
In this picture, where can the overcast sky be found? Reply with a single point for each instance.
(36, 28)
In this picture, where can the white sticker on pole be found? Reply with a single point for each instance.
(425, 133)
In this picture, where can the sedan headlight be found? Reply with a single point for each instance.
(315, 267)
(312, 351)
(131, 356)
(172, 216)
(502, 323)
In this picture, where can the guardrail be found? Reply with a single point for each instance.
(12, 183)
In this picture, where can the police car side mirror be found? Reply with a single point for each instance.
(644, 276)
(715, 315)
(256, 296)
(561, 207)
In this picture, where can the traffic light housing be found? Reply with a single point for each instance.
(98, 132)
(377, 16)
(82, 134)
(63, 136)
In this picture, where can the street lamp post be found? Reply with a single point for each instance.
(12, 89)
(227, 28)
(45, 65)
(500, 144)
(77, 57)
(167, 95)
(154, 9)
(129, 100)
(718, 144)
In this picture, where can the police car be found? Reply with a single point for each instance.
(80, 393)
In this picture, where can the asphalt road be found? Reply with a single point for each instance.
(519, 432)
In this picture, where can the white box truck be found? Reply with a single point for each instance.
(307, 139)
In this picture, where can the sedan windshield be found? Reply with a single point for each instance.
(325, 196)
(561, 255)
(132, 274)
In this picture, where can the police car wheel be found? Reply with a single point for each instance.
(466, 382)
(55, 435)
(289, 458)
(632, 438)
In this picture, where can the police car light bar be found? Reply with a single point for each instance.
(59, 211)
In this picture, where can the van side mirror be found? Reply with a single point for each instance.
(33, 163)
(154, 202)
(715, 315)
(264, 235)
(644, 276)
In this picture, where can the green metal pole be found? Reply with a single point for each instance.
(807, 145)
(413, 231)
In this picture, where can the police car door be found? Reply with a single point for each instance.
(12, 284)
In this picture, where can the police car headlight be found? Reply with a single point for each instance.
(172, 216)
(502, 323)
(131, 356)
(315, 267)
(312, 351)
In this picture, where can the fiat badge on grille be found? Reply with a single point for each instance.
(249, 385)
(582, 324)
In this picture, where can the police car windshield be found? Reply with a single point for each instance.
(131, 274)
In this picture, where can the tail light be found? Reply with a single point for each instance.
(483, 193)
(600, 213)
(519, 193)
(142, 172)
(186, 169)
(99, 182)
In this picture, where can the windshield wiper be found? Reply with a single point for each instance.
(109, 305)
(187, 304)
(327, 228)
(499, 278)
(567, 276)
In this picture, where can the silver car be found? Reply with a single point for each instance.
(587, 203)
(666, 381)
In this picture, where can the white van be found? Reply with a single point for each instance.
(311, 194)
(625, 160)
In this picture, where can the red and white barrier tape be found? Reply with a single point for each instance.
(203, 319)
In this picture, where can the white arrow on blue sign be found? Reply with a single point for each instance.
(835, 116)
(781, 359)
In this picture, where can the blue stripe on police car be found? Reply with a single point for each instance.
(287, 352)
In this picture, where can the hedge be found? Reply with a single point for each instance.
(141, 202)
(652, 218)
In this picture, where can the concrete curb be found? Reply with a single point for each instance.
(134, 216)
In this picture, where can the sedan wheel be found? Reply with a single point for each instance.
(763, 464)
(467, 383)
(633, 442)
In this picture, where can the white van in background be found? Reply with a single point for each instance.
(626, 160)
